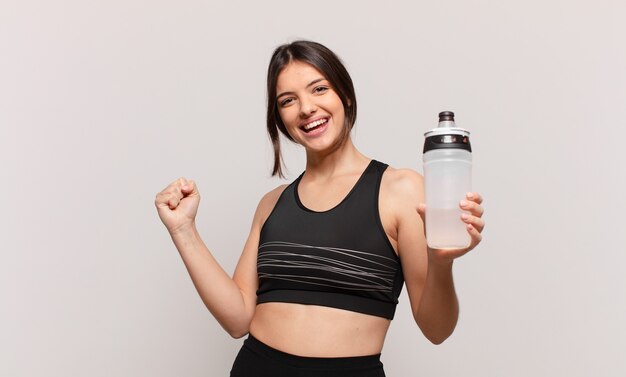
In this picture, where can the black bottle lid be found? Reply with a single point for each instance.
(447, 135)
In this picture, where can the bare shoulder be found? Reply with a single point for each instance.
(401, 191)
(267, 203)
(271, 197)
(402, 184)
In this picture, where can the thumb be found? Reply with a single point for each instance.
(188, 188)
(421, 210)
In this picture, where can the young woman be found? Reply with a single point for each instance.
(317, 283)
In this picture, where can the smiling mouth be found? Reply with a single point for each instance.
(314, 125)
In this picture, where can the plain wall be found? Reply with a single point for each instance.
(104, 103)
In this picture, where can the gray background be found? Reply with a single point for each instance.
(104, 103)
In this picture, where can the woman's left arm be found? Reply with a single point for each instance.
(428, 272)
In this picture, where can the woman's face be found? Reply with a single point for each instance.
(309, 107)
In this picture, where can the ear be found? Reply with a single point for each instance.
(349, 102)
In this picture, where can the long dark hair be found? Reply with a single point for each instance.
(325, 61)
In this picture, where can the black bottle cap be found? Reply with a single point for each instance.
(447, 141)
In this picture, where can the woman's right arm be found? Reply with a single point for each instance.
(232, 301)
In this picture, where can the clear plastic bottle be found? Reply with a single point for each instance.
(447, 178)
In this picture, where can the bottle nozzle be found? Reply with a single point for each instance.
(446, 116)
(447, 135)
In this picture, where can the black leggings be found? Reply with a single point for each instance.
(257, 359)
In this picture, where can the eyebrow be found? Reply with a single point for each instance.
(311, 83)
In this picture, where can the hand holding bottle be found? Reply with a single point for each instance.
(177, 204)
(472, 217)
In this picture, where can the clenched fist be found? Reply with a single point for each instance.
(177, 204)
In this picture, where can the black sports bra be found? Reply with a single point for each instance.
(339, 258)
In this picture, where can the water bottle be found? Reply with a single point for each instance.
(447, 179)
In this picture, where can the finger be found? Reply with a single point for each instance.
(175, 196)
(168, 197)
(175, 193)
(180, 183)
(190, 189)
(475, 235)
(476, 222)
(172, 202)
(161, 199)
(478, 210)
(475, 208)
(188, 186)
(475, 197)
(421, 211)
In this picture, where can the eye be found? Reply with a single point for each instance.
(286, 101)
(320, 89)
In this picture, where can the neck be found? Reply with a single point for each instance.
(344, 159)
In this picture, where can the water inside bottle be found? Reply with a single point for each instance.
(445, 229)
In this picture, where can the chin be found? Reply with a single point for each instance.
(326, 147)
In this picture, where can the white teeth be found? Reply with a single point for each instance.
(314, 124)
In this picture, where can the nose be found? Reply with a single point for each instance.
(307, 107)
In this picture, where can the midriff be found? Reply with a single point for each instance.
(318, 331)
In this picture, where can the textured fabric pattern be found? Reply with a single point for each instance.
(327, 266)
